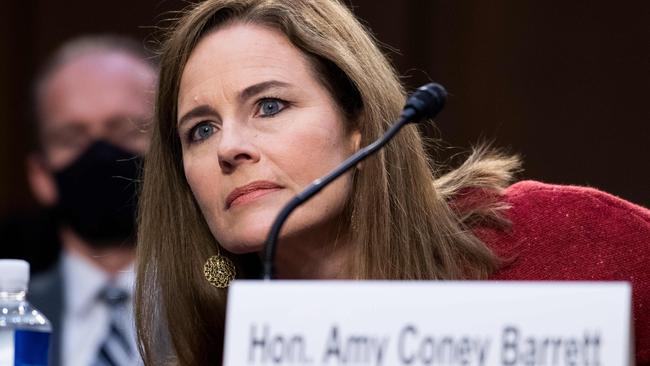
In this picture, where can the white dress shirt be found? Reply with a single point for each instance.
(86, 319)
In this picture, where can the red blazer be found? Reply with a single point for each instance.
(577, 233)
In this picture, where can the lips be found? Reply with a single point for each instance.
(250, 192)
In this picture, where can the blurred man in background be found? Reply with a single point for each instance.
(94, 101)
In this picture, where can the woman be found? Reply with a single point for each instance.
(256, 100)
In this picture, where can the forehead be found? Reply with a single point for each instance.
(95, 84)
(238, 55)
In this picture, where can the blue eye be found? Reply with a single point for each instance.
(201, 131)
(270, 107)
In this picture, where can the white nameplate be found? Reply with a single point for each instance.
(417, 323)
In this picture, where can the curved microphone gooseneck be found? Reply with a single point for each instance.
(424, 103)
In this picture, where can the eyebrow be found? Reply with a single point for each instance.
(251, 91)
(203, 110)
(258, 88)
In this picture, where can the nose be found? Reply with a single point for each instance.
(236, 147)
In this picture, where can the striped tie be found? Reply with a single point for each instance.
(116, 350)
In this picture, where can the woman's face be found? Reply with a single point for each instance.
(256, 128)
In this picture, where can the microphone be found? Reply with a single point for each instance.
(426, 102)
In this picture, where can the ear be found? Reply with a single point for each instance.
(355, 139)
(41, 180)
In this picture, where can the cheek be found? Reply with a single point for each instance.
(310, 152)
(138, 143)
(60, 157)
(203, 182)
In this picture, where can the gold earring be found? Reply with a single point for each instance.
(219, 271)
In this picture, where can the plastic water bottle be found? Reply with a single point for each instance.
(24, 331)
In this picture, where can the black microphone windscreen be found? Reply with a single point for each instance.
(427, 101)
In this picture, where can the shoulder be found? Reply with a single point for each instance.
(43, 282)
(528, 197)
(577, 232)
(45, 289)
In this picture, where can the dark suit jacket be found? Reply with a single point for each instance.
(46, 294)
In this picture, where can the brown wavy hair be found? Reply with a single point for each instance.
(403, 222)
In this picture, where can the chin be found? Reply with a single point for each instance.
(246, 236)
(244, 247)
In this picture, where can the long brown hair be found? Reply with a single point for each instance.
(404, 225)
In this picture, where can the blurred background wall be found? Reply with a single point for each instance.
(563, 83)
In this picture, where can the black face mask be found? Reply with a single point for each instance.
(97, 195)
